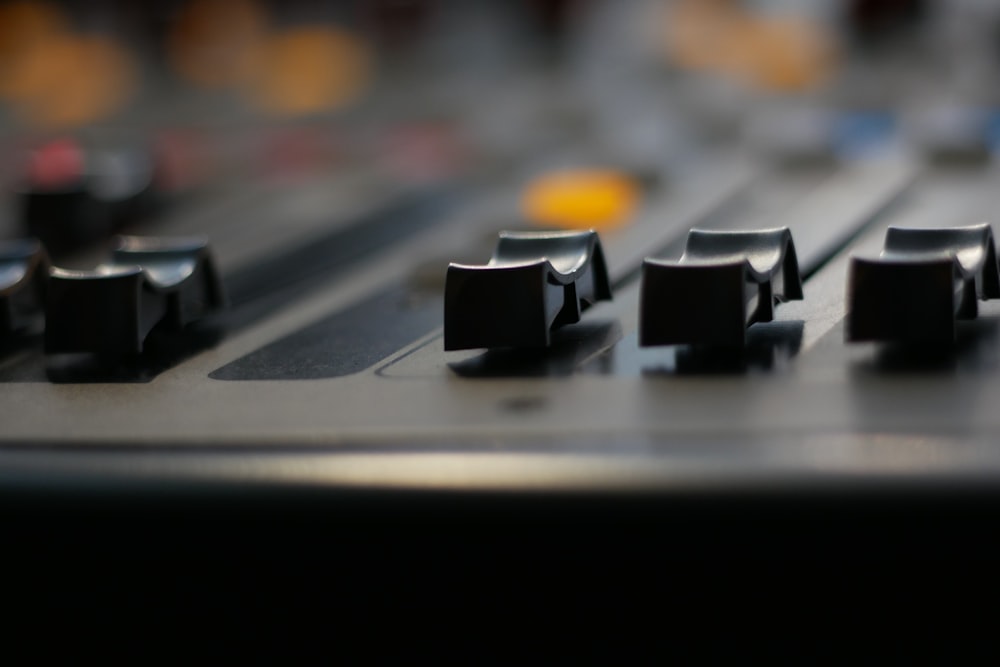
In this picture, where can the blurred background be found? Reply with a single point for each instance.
(108, 100)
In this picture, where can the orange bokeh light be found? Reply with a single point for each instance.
(781, 53)
(784, 54)
(54, 77)
(216, 43)
(71, 80)
(311, 69)
(24, 28)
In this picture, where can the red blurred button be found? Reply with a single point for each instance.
(56, 165)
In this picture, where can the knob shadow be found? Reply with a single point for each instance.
(163, 350)
(974, 350)
(769, 346)
(571, 346)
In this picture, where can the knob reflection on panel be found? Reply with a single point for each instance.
(724, 282)
(149, 282)
(534, 283)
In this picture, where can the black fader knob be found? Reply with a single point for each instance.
(149, 282)
(24, 269)
(724, 282)
(922, 282)
(72, 196)
(534, 283)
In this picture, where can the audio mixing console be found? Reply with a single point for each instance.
(293, 382)
(350, 374)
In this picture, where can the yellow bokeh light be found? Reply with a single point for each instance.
(581, 199)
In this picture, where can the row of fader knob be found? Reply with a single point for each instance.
(108, 310)
(922, 282)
